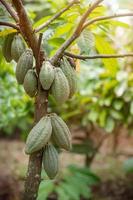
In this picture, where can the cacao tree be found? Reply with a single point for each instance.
(45, 70)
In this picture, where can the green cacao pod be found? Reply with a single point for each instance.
(30, 83)
(39, 135)
(7, 47)
(50, 161)
(60, 132)
(17, 47)
(70, 74)
(24, 64)
(60, 87)
(47, 75)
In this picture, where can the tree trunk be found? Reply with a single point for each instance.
(35, 160)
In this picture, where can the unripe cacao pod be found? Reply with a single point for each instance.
(70, 74)
(46, 75)
(50, 161)
(30, 83)
(60, 87)
(60, 132)
(7, 47)
(24, 64)
(39, 135)
(17, 47)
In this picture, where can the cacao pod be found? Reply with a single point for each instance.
(46, 75)
(60, 87)
(60, 132)
(30, 83)
(50, 161)
(24, 64)
(70, 74)
(7, 47)
(39, 135)
(17, 47)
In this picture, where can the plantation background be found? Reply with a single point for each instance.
(100, 114)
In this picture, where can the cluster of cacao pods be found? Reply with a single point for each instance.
(61, 82)
(14, 49)
(49, 131)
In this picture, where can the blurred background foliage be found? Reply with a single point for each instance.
(105, 94)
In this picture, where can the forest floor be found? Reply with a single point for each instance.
(115, 185)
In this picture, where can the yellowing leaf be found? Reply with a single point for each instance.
(104, 47)
(7, 31)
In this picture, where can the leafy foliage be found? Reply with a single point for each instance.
(73, 184)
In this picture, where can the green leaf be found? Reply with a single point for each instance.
(62, 195)
(119, 23)
(86, 41)
(46, 187)
(102, 118)
(110, 125)
(115, 114)
(104, 47)
(7, 31)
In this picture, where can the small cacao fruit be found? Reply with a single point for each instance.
(70, 74)
(39, 135)
(60, 87)
(30, 83)
(25, 63)
(46, 75)
(7, 47)
(17, 47)
(50, 161)
(60, 132)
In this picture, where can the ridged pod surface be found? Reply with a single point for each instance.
(24, 64)
(60, 132)
(17, 47)
(7, 47)
(30, 83)
(47, 75)
(70, 74)
(50, 161)
(39, 135)
(60, 87)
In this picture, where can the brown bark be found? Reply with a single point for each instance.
(35, 160)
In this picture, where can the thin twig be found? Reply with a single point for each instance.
(56, 16)
(10, 10)
(76, 33)
(9, 24)
(92, 21)
(85, 16)
(85, 57)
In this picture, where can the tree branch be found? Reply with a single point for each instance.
(92, 21)
(26, 27)
(76, 33)
(85, 16)
(85, 57)
(56, 16)
(10, 10)
(9, 24)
